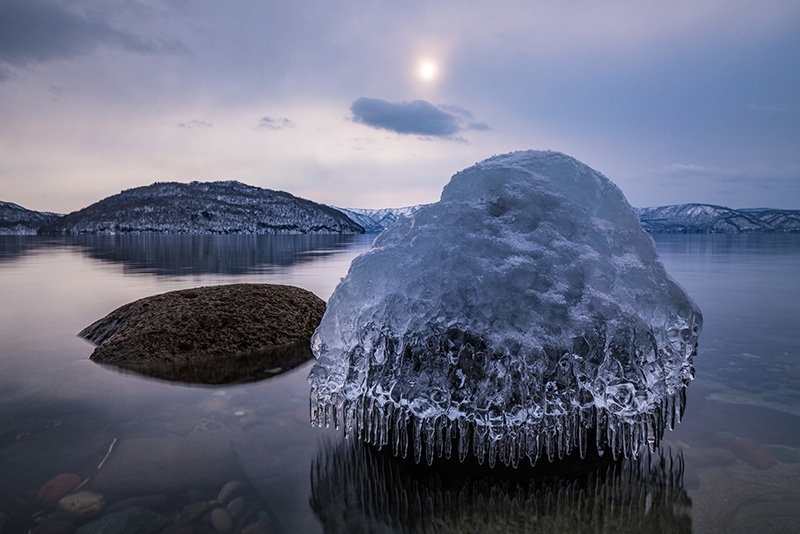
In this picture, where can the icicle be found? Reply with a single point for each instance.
(463, 439)
(337, 413)
(600, 430)
(417, 438)
(349, 410)
(549, 445)
(403, 423)
(387, 413)
(584, 420)
(313, 407)
(492, 451)
(479, 442)
(448, 437)
(395, 432)
(516, 452)
(671, 412)
(328, 415)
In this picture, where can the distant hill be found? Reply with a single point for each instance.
(376, 221)
(709, 219)
(16, 220)
(203, 208)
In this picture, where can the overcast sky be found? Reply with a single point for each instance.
(376, 104)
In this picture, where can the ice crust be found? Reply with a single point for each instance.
(525, 314)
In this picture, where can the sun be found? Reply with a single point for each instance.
(427, 70)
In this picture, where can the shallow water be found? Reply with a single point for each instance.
(731, 466)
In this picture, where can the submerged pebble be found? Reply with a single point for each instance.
(151, 502)
(752, 452)
(221, 521)
(58, 486)
(231, 490)
(262, 526)
(81, 506)
(193, 512)
(237, 507)
(58, 526)
(135, 519)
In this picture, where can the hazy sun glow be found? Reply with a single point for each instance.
(427, 69)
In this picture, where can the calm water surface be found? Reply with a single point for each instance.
(733, 465)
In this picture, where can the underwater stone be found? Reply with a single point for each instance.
(525, 314)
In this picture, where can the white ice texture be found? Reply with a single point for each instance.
(525, 314)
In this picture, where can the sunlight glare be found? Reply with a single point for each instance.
(427, 70)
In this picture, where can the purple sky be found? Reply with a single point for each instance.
(376, 104)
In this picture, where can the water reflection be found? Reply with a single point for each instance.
(700, 246)
(356, 488)
(13, 246)
(234, 369)
(177, 255)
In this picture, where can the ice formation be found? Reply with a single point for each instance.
(525, 314)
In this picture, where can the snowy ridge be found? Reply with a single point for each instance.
(16, 220)
(203, 208)
(710, 219)
(376, 221)
(680, 218)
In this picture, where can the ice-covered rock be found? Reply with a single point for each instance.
(524, 314)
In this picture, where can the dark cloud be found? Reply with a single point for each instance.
(32, 31)
(417, 117)
(274, 123)
(195, 124)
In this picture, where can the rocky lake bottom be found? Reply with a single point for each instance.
(87, 448)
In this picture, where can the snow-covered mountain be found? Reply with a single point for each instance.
(16, 220)
(682, 218)
(203, 208)
(710, 219)
(235, 208)
(376, 221)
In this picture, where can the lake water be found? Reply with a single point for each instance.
(733, 465)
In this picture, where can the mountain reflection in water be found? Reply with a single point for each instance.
(176, 255)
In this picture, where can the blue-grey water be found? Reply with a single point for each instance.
(733, 465)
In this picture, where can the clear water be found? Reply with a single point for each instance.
(733, 465)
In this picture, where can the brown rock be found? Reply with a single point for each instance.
(221, 521)
(751, 452)
(154, 335)
(237, 507)
(59, 526)
(193, 512)
(262, 526)
(231, 490)
(57, 487)
(81, 506)
(707, 456)
(151, 502)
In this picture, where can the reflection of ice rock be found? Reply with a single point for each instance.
(526, 313)
(357, 489)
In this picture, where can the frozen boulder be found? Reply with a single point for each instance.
(524, 314)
